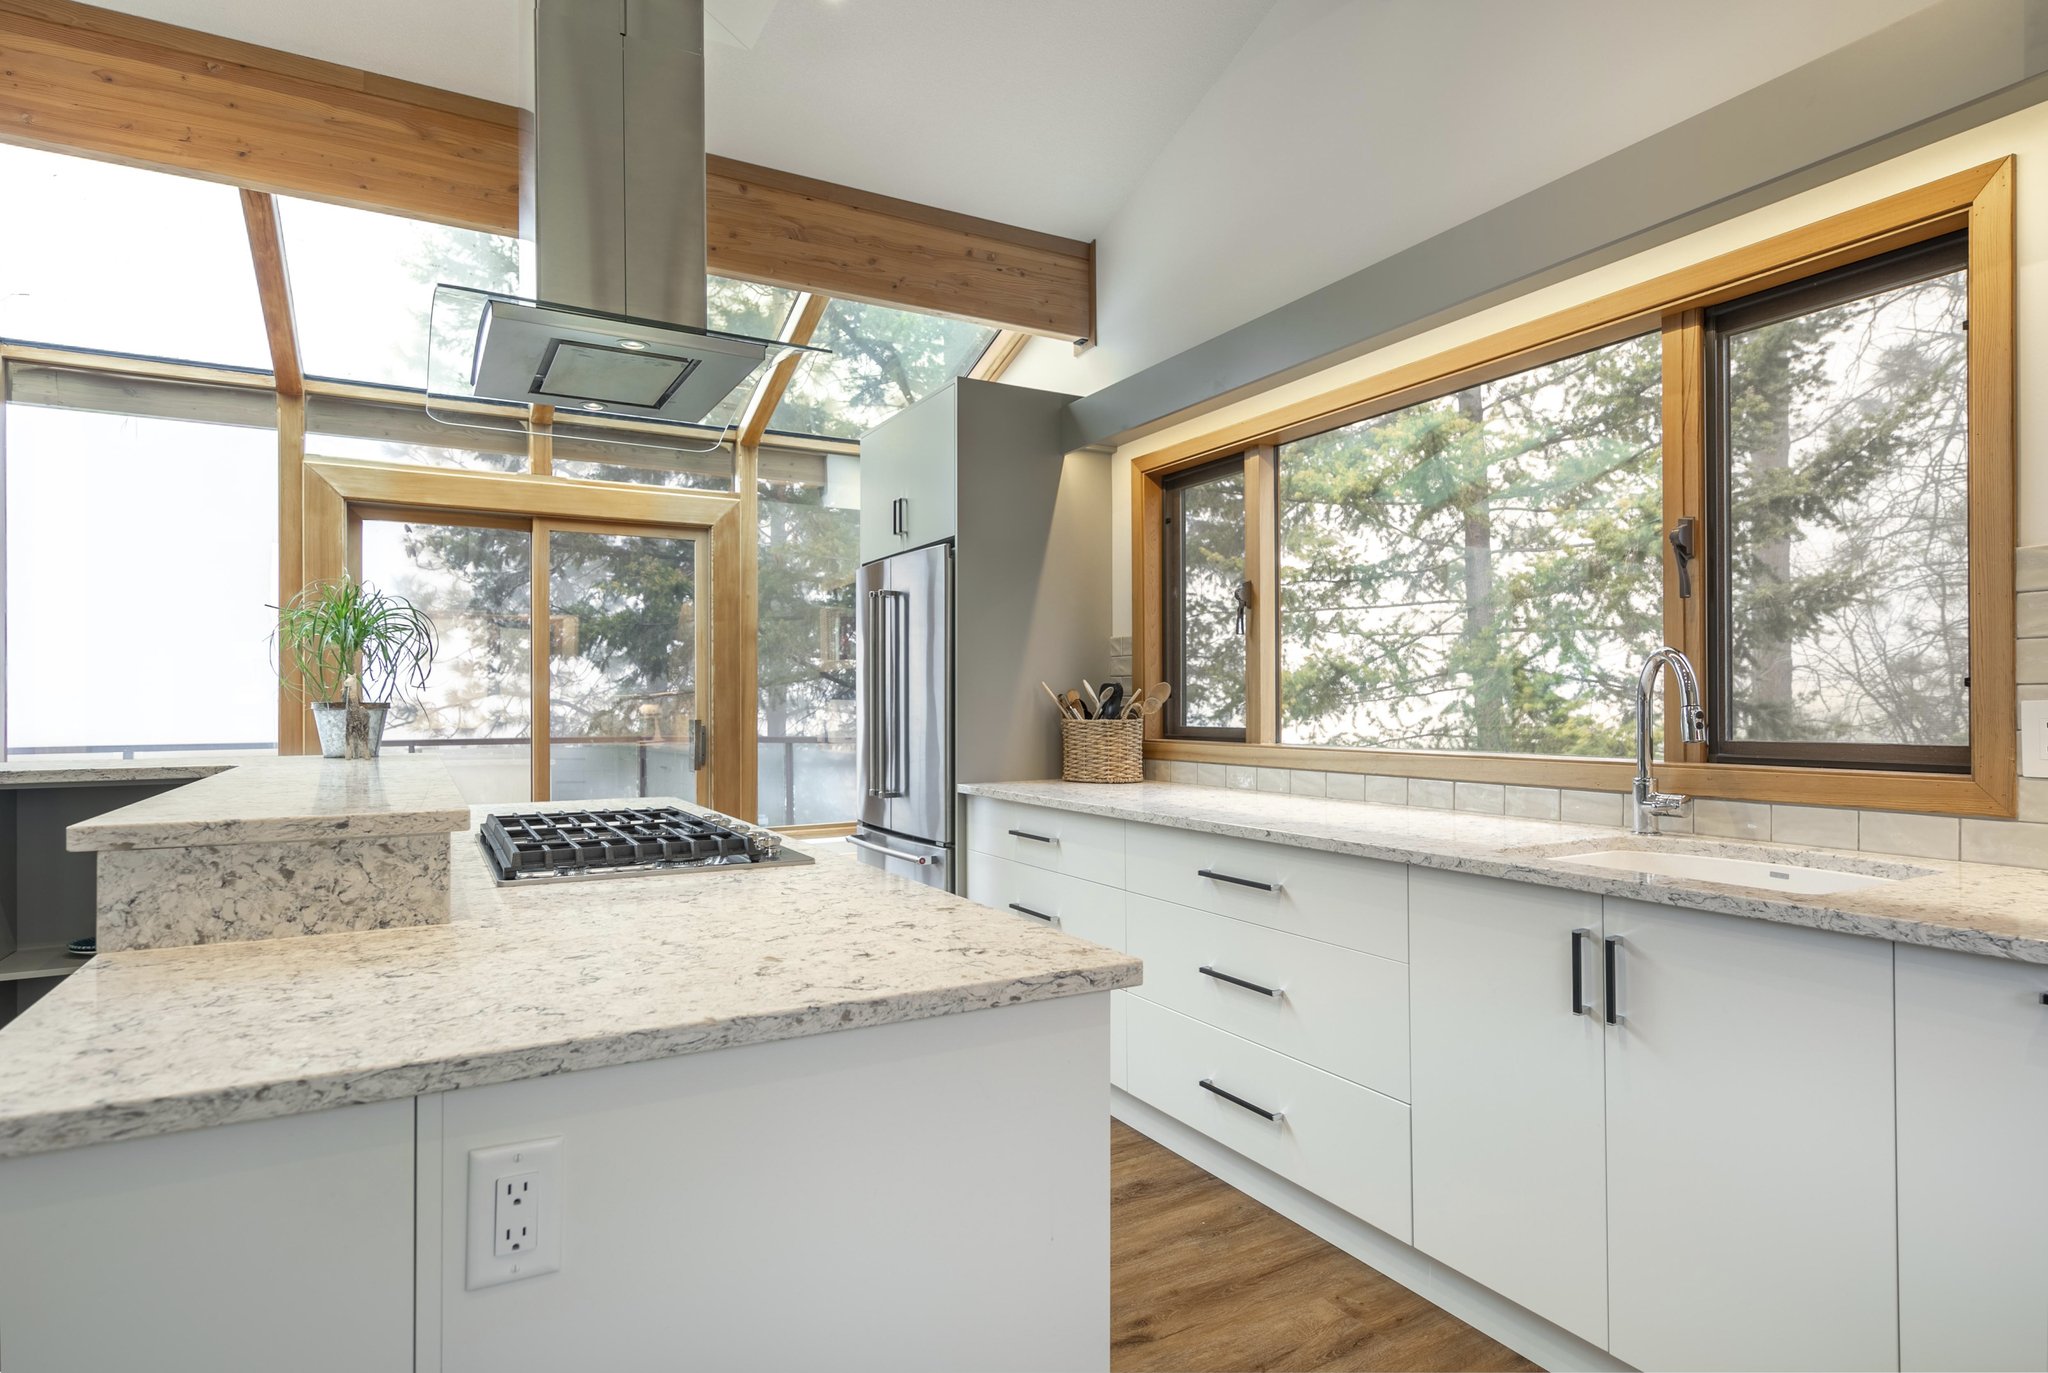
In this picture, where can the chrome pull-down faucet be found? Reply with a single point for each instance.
(1647, 802)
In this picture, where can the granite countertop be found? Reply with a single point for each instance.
(38, 770)
(1979, 908)
(522, 983)
(274, 800)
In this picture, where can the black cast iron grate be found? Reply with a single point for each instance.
(595, 840)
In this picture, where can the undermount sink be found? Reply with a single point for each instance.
(1732, 872)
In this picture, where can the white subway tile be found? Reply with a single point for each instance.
(1304, 783)
(1386, 791)
(2034, 798)
(1211, 775)
(1271, 779)
(2033, 661)
(1531, 803)
(2014, 842)
(1487, 798)
(1240, 778)
(1183, 773)
(1910, 835)
(1345, 786)
(1818, 827)
(1731, 819)
(2030, 568)
(1592, 807)
(2032, 614)
(1430, 792)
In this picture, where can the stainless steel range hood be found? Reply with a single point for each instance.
(612, 198)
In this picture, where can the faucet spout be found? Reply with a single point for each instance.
(1647, 802)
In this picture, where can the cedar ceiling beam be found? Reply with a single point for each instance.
(768, 392)
(78, 79)
(274, 290)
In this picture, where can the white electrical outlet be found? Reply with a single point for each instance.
(515, 1212)
(2034, 738)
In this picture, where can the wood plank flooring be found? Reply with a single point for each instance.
(1204, 1278)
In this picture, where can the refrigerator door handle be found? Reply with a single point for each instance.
(888, 685)
(899, 731)
(884, 849)
(871, 688)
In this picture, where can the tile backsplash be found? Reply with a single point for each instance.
(2022, 842)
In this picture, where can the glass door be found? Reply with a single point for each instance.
(473, 576)
(625, 697)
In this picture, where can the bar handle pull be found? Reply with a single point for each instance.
(1234, 1099)
(1035, 915)
(1613, 978)
(1207, 971)
(1236, 881)
(1034, 838)
(1579, 1006)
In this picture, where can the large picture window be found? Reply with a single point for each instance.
(1482, 571)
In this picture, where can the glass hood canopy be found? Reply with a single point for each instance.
(486, 346)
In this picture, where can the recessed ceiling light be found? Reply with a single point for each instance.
(593, 405)
(635, 344)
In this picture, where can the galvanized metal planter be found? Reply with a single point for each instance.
(331, 719)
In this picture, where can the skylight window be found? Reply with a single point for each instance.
(113, 259)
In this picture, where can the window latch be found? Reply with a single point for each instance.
(1682, 547)
(1243, 597)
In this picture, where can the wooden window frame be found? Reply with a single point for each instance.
(1979, 200)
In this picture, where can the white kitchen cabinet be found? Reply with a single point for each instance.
(1086, 910)
(1973, 1194)
(1331, 1007)
(1090, 847)
(1346, 1143)
(1751, 1212)
(1355, 902)
(909, 478)
(1508, 1092)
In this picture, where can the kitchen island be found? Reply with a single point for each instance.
(234, 1143)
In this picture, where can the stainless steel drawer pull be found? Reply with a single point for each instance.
(1236, 1100)
(1236, 881)
(1207, 971)
(1034, 838)
(1035, 915)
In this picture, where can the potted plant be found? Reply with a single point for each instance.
(341, 642)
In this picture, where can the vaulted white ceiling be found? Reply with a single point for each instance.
(1035, 112)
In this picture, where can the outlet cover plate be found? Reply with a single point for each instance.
(2034, 738)
(537, 1165)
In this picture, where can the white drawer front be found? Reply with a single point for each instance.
(1085, 846)
(1339, 1010)
(1346, 1143)
(1085, 910)
(1356, 902)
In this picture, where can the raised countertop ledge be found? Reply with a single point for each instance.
(21, 774)
(521, 983)
(1979, 908)
(285, 800)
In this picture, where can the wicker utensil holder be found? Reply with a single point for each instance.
(1102, 750)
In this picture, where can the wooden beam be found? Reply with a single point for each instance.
(75, 78)
(801, 324)
(792, 231)
(1002, 351)
(735, 640)
(540, 440)
(291, 568)
(274, 290)
(517, 493)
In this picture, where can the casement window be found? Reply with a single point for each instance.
(1838, 470)
(1793, 462)
(1206, 606)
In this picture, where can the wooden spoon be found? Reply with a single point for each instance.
(1057, 703)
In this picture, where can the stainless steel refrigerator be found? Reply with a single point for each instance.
(904, 643)
(984, 549)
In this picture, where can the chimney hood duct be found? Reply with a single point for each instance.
(612, 197)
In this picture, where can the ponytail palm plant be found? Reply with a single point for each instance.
(349, 647)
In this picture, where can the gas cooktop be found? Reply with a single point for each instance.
(624, 842)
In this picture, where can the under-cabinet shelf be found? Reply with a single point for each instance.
(42, 960)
